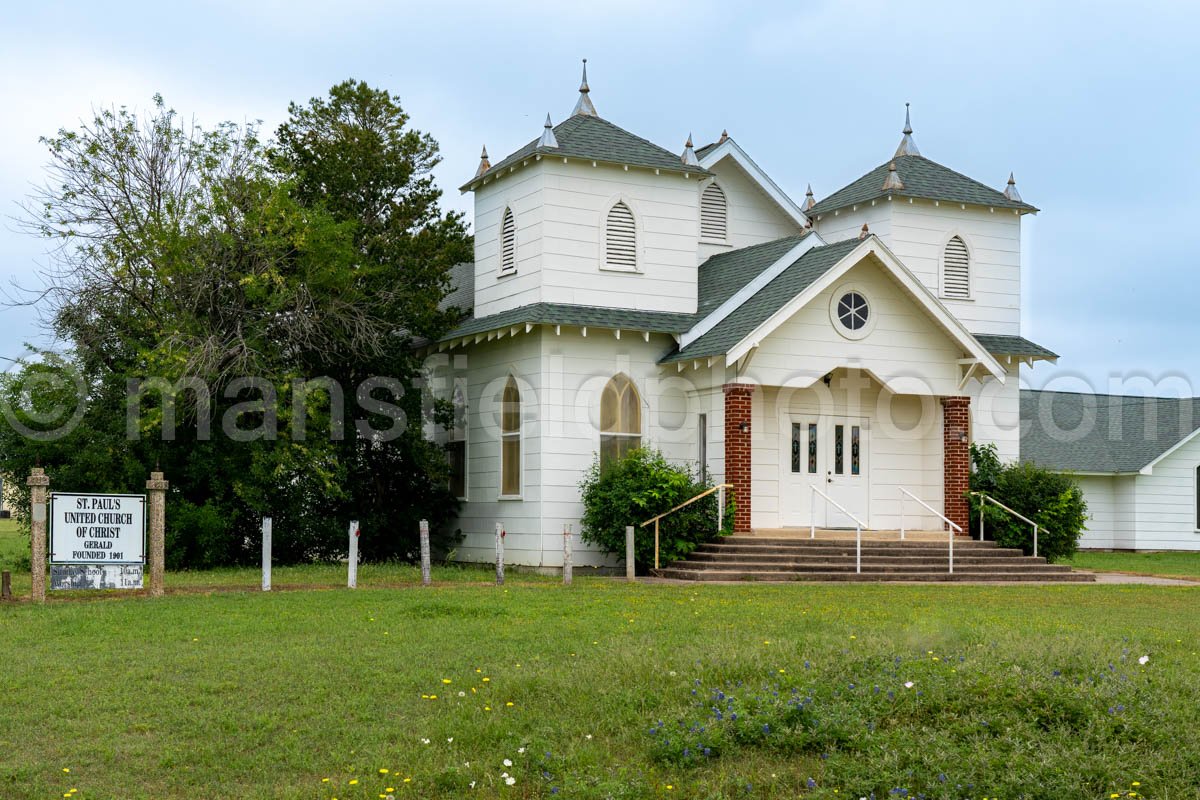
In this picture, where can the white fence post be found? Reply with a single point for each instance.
(499, 554)
(266, 554)
(567, 555)
(352, 573)
(629, 565)
(426, 578)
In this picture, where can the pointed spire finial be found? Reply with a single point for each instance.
(689, 155)
(548, 139)
(724, 136)
(584, 104)
(1011, 192)
(809, 201)
(907, 146)
(892, 182)
(484, 164)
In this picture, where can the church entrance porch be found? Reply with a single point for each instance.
(797, 453)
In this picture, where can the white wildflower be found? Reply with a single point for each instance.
(508, 762)
(510, 780)
(1143, 660)
(908, 684)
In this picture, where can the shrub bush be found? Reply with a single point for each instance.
(1053, 500)
(641, 485)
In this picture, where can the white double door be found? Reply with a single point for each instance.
(831, 453)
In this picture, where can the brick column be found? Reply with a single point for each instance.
(956, 459)
(738, 400)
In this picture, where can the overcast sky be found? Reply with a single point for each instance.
(1095, 106)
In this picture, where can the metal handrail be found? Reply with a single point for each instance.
(989, 499)
(721, 487)
(858, 525)
(953, 526)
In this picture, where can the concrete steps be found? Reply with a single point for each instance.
(784, 558)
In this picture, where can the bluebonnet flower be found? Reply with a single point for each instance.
(811, 783)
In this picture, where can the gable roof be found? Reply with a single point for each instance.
(922, 178)
(1101, 433)
(711, 154)
(797, 277)
(595, 139)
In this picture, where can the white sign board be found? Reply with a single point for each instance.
(97, 529)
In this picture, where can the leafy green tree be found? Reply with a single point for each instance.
(188, 261)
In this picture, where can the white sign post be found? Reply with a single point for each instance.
(352, 575)
(97, 541)
(266, 557)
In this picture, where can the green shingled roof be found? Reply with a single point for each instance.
(581, 316)
(1000, 345)
(922, 178)
(788, 284)
(1102, 433)
(595, 139)
(723, 274)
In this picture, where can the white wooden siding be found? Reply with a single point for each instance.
(1102, 521)
(917, 233)
(753, 217)
(522, 191)
(906, 350)
(996, 412)
(576, 201)
(1166, 502)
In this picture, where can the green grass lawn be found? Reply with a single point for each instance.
(13, 546)
(603, 690)
(1172, 565)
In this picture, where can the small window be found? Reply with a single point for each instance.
(456, 448)
(620, 420)
(839, 449)
(853, 311)
(508, 243)
(812, 448)
(796, 444)
(510, 440)
(714, 213)
(620, 239)
(956, 269)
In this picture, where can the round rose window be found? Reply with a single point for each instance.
(853, 311)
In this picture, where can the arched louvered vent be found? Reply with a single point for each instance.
(508, 243)
(714, 214)
(956, 269)
(620, 239)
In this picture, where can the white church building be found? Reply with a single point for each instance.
(623, 294)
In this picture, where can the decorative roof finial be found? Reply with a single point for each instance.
(1011, 192)
(809, 201)
(689, 155)
(907, 146)
(724, 137)
(892, 182)
(548, 139)
(584, 105)
(484, 164)
(865, 232)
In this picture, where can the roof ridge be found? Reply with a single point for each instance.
(1122, 397)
